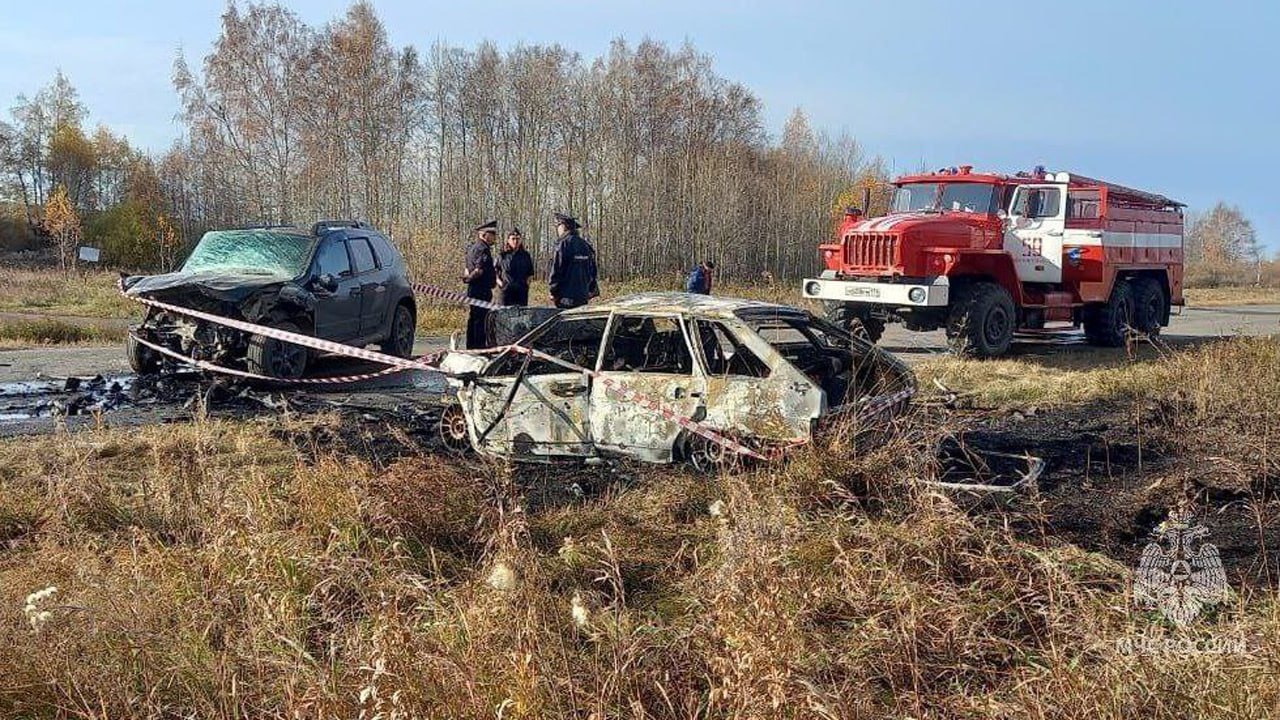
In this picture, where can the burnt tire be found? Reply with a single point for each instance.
(981, 321)
(705, 457)
(142, 359)
(1148, 306)
(399, 340)
(1107, 324)
(276, 358)
(453, 429)
(858, 324)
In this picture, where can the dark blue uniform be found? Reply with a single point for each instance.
(480, 287)
(572, 277)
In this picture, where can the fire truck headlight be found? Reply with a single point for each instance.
(813, 287)
(916, 295)
(828, 254)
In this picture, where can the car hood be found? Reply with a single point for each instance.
(224, 285)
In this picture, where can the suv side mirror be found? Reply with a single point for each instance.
(327, 282)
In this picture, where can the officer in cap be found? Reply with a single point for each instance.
(480, 277)
(572, 277)
(515, 267)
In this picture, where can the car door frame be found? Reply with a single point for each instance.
(373, 290)
(621, 426)
(546, 416)
(779, 407)
(339, 324)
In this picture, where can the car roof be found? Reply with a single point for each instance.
(677, 302)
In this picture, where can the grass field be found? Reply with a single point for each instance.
(1208, 297)
(246, 569)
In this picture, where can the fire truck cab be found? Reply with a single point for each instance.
(985, 255)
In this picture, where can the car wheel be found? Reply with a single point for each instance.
(400, 340)
(276, 358)
(705, 457)
(981, 321)
(453, 429)
(142, 359)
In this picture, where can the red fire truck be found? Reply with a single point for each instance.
(984, 255)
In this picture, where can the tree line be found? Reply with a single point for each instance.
(665, 161)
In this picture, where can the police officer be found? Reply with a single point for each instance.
(480, 276)
(515, 267)
(572, 277)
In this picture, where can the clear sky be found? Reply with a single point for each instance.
(1182, 98)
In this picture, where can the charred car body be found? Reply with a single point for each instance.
(338, 280)
(765, 375)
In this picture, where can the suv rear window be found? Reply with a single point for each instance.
(388, 256)
(361, 255)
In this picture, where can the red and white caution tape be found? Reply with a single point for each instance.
(307, 341)
(213, 367)
(453, 296)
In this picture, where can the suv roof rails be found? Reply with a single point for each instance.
(324, 225)
(265, 226)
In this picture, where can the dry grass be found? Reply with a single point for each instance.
(50, 292)
(1084, 375)
(1209, 297)
(211, 570)
(53, 331)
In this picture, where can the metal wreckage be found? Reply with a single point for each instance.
(664, 377)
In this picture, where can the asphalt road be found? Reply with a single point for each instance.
(1192, 325)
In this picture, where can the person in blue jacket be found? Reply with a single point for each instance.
(700, 278)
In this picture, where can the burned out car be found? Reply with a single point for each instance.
(764, 375)
(338, 280)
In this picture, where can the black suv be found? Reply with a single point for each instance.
(339, 280)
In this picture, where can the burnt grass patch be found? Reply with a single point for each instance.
(1113, 472)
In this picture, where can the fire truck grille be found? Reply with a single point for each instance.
(871, 250)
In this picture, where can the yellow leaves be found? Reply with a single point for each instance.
(63, 224)
(60, 218)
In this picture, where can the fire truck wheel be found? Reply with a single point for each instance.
(857, 324)
(1108, 324)
(1148, 305)
(982, 320)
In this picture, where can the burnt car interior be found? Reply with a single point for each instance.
(724, 355)
(657, 344)
(573, 340)
(830, 358)
(648, 345)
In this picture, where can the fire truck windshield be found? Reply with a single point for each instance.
(954, 197)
